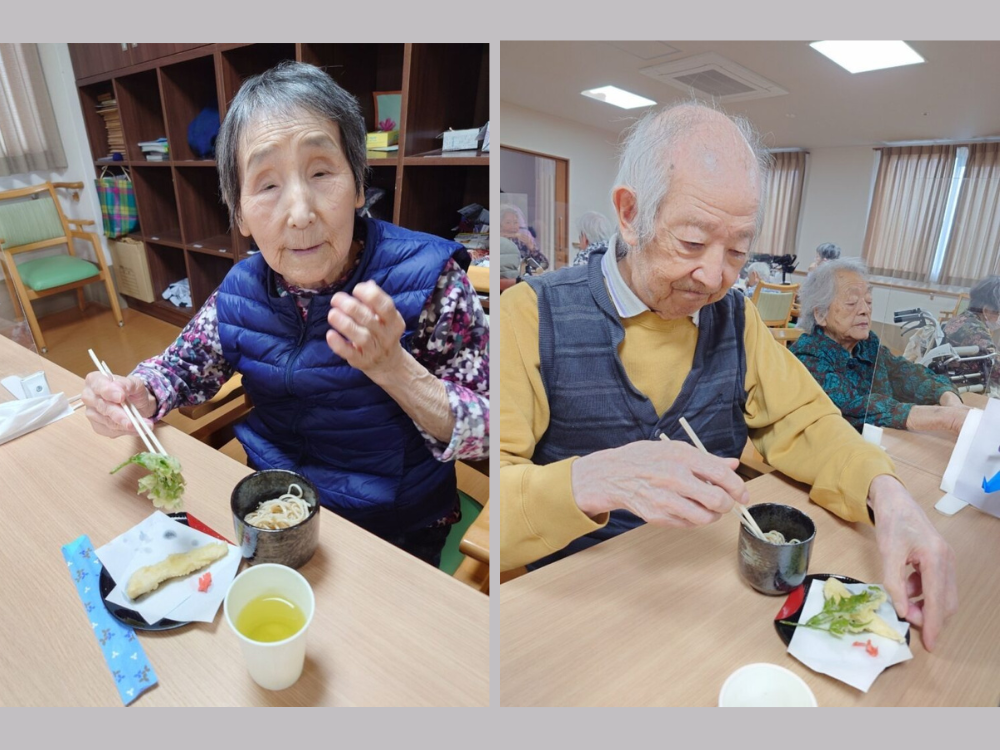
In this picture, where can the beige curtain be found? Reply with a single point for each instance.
(974, 247)
(904, 224)
(782, 204)
(29, 139)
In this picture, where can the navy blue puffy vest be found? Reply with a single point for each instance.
(315, 414)
(593, 404)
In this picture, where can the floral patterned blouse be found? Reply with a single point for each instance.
(451, 340)
(870, 384)
(583, 257)
(968, 329)
(536, 255)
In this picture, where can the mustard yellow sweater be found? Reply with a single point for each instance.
(791, 421)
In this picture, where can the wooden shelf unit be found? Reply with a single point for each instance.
(160, 89)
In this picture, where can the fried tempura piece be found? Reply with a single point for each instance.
(863, 619)
(150, 577)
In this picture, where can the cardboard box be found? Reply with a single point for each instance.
(132, 268)
(382, 139)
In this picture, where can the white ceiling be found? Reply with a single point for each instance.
(954, 95)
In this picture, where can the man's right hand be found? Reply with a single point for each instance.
(668, 483)
(104, 398)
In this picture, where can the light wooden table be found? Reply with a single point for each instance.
(661, 617)
(388, 628)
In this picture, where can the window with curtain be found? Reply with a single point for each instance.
(29, 138)
(782, 204)
(913, 192)
(973, 249)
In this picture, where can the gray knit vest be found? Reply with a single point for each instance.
(594, 406)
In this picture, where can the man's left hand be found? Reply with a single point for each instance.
(906, 537)
(365, 329)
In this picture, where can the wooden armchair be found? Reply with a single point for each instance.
(32, 219)
(774, 303)
(474, 569)
(961, 305)
(212, 422)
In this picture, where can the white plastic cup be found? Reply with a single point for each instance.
(277, 665)
(765, 685)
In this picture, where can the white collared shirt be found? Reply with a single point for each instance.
(626, 303)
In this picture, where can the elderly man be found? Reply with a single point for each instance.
(597, 363)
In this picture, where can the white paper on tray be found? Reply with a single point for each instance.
(179, 599)
(837, 657)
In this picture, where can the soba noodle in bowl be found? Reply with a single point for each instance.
(290, 509)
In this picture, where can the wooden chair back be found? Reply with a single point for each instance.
(774, 303)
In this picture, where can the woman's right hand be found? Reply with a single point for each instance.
(931, 418)
(105, 397)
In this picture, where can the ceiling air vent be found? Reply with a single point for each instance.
(715, 76)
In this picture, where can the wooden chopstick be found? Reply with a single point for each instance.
(141, 420)
(131, 412)
(738, 508)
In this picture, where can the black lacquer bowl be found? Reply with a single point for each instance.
(292, 546)
(776, 568)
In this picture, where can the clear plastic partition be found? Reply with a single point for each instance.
(13, 323)
(933, 360)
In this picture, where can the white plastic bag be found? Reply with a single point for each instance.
(21, 417)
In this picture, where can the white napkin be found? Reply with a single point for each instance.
(21, 417)
(825, 653)
(178, 599)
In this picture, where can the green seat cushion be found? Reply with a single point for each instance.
(45, 273)
(451, 556)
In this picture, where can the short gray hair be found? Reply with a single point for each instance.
(986, 293)
(761, 268)
(287, 88)
(595, 227)
(644, 164)
(828, 251)
(820, 289)
(510, 208)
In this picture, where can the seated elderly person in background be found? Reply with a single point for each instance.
(362, 345)
(514, 227)
(824, 253)
(757, 272)
(656, 333)
(505, 257)
(977, 325)
(595, 231)
(867, 382)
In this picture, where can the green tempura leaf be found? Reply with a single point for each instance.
(164, 485)
(841, 617)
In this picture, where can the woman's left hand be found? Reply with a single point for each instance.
(950, 398)
(365, 329)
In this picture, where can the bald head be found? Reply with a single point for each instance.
(690, 142)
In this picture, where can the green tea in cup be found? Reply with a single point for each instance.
(270, 618)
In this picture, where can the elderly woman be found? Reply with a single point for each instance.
(756, 273)
(976, 326)
(865, 380)
(362, 345)
(515, 228)
(595, 233)
(825, 253)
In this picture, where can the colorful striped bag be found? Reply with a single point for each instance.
(117, 196)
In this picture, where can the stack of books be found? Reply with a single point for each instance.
(157, 150)
(107, 107)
